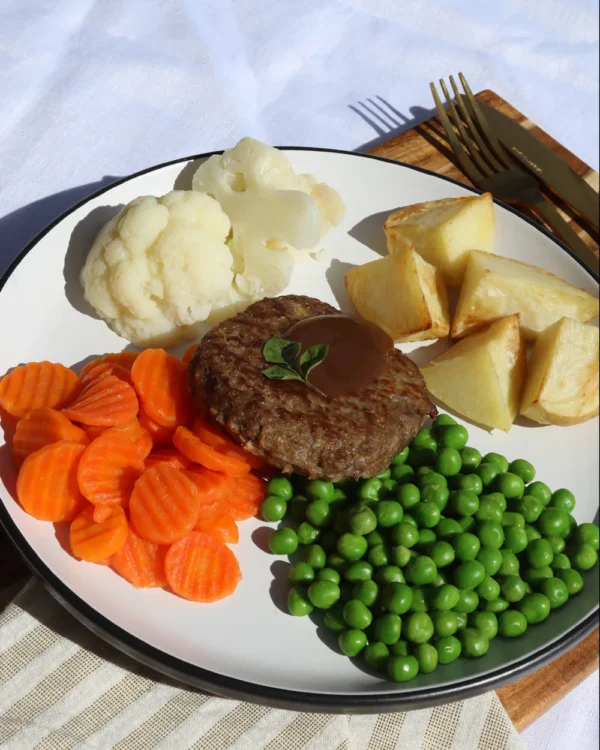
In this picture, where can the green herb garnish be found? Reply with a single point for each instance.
(282, 354)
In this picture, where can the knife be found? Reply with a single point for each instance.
(545, 164)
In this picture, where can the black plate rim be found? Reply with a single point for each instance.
(239, 689)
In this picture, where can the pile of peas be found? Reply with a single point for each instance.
(434, 557)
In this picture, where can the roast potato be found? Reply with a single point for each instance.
(403, 294)
(481, 376)
(562, 383)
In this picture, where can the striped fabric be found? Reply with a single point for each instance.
(62, 688)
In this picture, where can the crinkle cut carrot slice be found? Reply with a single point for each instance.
(161, 382)
(160, 435)
(93, 541)
(170, 456)
(214, 491)
(201, 568)
(40, 427)
(35, 385)
(104, 369)
(201, 453)
(109, 402)
(47, 483)
(221, 442)
(223, 528)
(245, 497)
(140, 562)
(125, 359)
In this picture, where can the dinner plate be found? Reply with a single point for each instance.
(247, 646)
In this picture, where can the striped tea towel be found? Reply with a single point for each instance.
(61, 687)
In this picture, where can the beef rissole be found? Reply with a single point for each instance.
(289, 424)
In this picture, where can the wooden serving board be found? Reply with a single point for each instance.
(426, 146)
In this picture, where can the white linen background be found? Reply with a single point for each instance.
(91, 90)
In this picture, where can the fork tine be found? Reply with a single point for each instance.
(495, 145)
(464, 161)
(479, 163)
(492, 161)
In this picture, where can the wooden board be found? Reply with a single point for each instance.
(425, 145)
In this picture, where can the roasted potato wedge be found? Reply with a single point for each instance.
(562, 382)
(481, 377)
(494, 287)
(403, 294)
(444, 231)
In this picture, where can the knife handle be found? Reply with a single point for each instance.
(569, 236)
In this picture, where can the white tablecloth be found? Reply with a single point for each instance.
(95, 89)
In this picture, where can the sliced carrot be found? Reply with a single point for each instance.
(217, 439)
(223, 528)
(102, 512)
(93, 431)
(109, 468)
(164, 505)
(202, 568)
(94, 541)
(104, 369)
(201, 453)
(125, 359)
(245, 497)
(144, 444)
(140, 562)
(47, 483)
(189, 353)
(158, 433)
(161, 382)
(109, 402)
(40, 427)
(169, 456)
(35, 385)
(214, 492)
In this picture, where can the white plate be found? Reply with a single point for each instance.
(246, 645)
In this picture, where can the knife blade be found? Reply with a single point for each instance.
(545, 164)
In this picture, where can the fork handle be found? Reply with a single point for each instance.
(569, 236)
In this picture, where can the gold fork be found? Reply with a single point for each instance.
(488, 165)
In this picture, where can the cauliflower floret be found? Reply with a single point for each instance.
(161, 266)
(274, 212)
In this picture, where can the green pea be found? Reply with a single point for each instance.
(467, 523)
(401, 556)
(522, 469)
(283, 542)
(499, 498)
(464, 503)
(571, 526)
(583, 557)
(352, 546)
(532, 533)
(587, 533)
(442, 553)
(474, 643)
(410, 519)
(339, 496)
(333, 619)
(366, 592)
(315, 556)
(454, 436)
(360, 570)
(375, 538)
(441, 421)
(273, 508)
(420, 599)
(448, 528)
(553, 522)
(301, 572)
(488, 589)
(388, 487)
(436, 494)
(530, 507)
(535, 576)
(357, 615)
(555, 591)
(369, 489)
(489, 509)
(540, 491)
(323, 594)
(461, 620)
(281, 487)
(427, 537)
(419, 627)
(512, 624)
(449, 649)
(446, 597)
(402, 668)
(572, 579)
(510, 564)
(491, 534)
(496, 458)
(535, 607)
(362, 520)
(469, 575)
(491, 559)
(424, 439)
(471, 458)
(337, 562)
(513, 519)
(560, 562)
(421, 457)
(377, 655)
(388, 513)
(421, 570)
(378, 556)
(496, 605)
(557, 544)
(513, 588)
(403, 473)
(408, 495)
(427, 514)
(404, 534)
(468, 601)
(444, 623)
(399, 459)
(390, 574)
(539, 553)
(320, 490)
(515, 539)
(298, 602)
(487, 472)
(431, 479)
(510, 485)
(319, 513)
(466, 546)
(400, 648)
(384, 475)
(387, 628)
(397, 598)
(469, 483)
(427, 656)
(448, 462)
(563, 499)
(352, 642)
(329, 574)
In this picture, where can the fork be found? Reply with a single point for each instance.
(489, 166)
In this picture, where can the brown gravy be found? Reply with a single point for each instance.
(358, 352)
